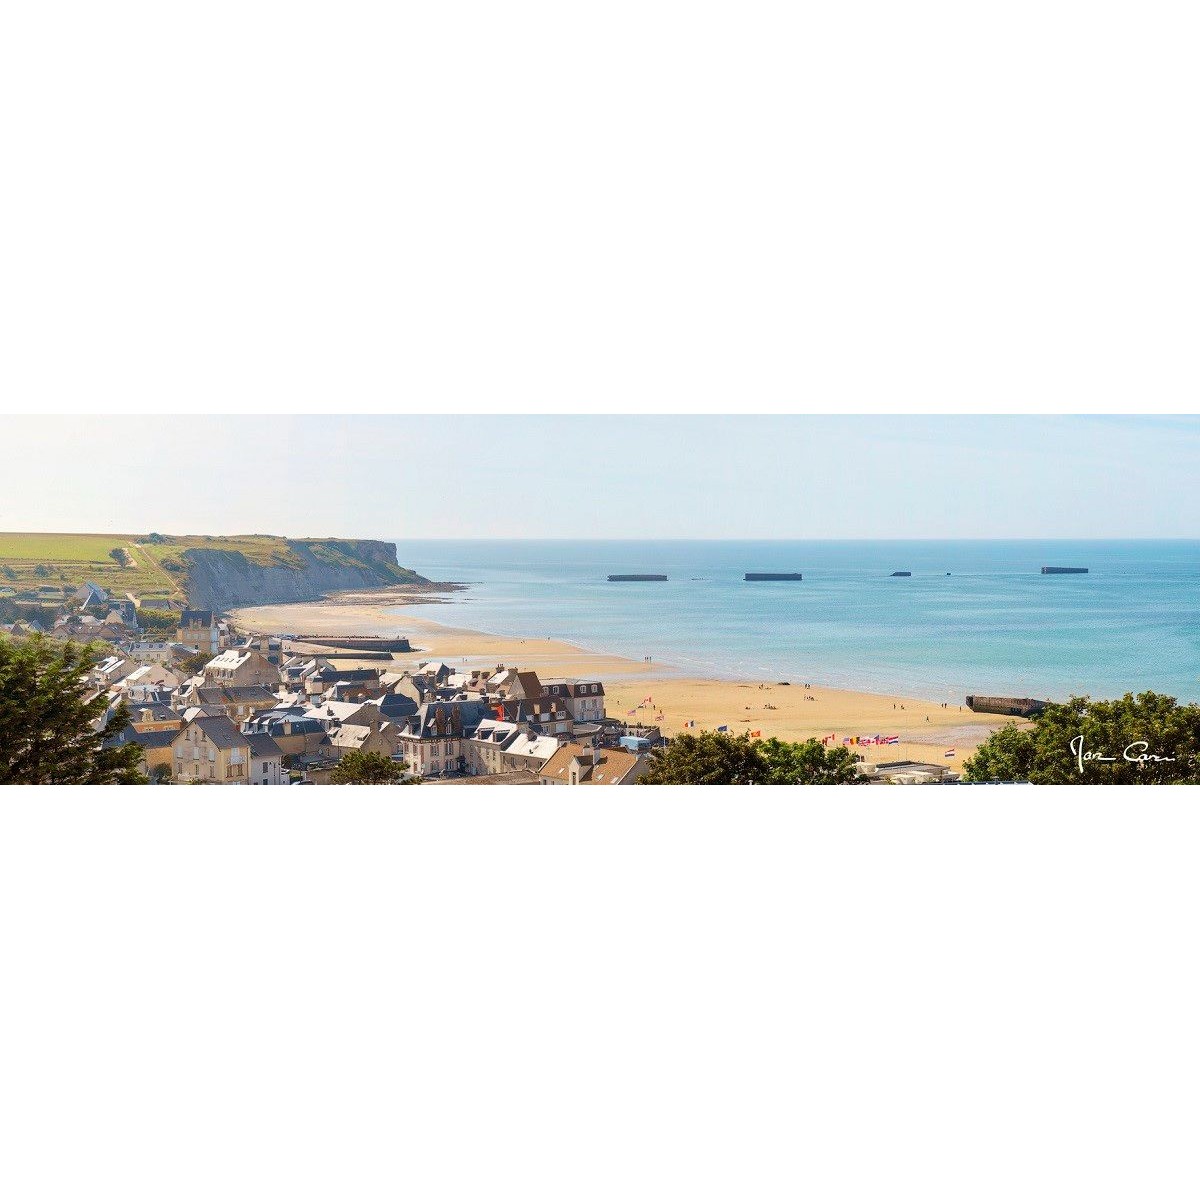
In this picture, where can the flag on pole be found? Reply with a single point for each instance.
(894, 740)
(949, 754)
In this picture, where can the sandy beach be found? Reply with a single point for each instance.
(786, 710)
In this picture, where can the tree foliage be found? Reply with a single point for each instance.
(46, 733)
(195, 663)
(358, 766)
(1138, 739)
(717, 758)
(809, 762)
(159, 622)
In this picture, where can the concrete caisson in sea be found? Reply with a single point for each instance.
(637, 579)
(763, 576)
(1006, 706)
(901, 574)
(1064, 570)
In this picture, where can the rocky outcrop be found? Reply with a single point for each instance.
(221, 579)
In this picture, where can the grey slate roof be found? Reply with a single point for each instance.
(152, 739)
(227, 695)
(448, 718)
(222, 732)
(262, 746)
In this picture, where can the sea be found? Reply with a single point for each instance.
(973, 616)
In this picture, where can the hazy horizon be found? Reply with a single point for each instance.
(586, 477)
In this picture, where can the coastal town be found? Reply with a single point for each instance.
(208, 702)
(211, 705)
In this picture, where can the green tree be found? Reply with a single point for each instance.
(46, 733)
(1006, 756)
(195, 663)
(42, 571)
(158, 622)
(707, 758)
(9, 573)
(809, 762)
(357, 766)
(1138, 739)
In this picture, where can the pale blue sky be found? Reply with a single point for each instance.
(620, 476)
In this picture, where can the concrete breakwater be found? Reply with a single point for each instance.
(1005, 706)
(396, 645)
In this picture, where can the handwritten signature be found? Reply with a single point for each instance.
(1135, 752)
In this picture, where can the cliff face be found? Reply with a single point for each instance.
(221, 579)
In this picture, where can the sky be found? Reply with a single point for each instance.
(469, 476)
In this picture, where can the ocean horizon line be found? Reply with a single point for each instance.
(777, 540)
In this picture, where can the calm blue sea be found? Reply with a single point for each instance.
(976, 616)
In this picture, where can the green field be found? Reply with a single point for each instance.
(70, 559)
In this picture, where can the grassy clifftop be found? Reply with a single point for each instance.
(65, 560)
(157, 565)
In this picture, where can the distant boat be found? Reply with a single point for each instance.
(637, 579)
(762, 576)
(1064, 570)
(901, 574)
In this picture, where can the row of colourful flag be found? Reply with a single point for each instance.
(877, 739)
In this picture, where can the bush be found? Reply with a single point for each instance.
(359, 767)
